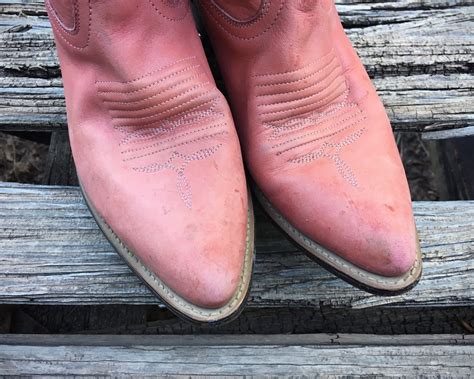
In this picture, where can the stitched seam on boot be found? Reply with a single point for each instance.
(339, 261)
(169, 65)
(216, 21)
(241, 24)
(60, 28)
(172, 19)
(167, 290)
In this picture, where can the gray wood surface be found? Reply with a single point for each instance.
(51, 252)
(297, 355)
(419, 53)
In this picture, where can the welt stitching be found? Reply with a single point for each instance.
(167, 290)
(325, 99)
(170, 109)
(167, 17)
(332, 258)
(58, 26)
(177, 84)
(298, 69)
(173, 138)
(332, 126)
(177, 145)
(319, 138)
(307, 97)
(246, 38)
(155, 82)
(299, 79)
(164, 111)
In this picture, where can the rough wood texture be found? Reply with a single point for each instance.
(149, 319)
(60, 168)
(452, 162)
(51, 252)
(419, 52)
(283, 355)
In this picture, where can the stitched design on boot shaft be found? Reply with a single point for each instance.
(77, 36)
(166, 119)
(309, 108)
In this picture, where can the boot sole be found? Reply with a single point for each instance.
(174, 302)
(354, 275)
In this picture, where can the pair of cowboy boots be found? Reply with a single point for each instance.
(159, 158)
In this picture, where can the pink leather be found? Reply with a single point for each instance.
(153, 140)
(314, 133)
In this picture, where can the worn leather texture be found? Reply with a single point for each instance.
(153, 140)
(314, 134)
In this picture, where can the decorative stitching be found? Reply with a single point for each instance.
(342, 167)
(188, 142)
(332, 107)
(181, 105)
(300, 123)
(167, 126)
(296, 80)
(320, 138)
(182, 182)
(168, 110)
(171, 115)
(319, 131)
(314, 84)
(314, 94)
(150, 73)
(244, 38)
(242, 24)
(172, 19)
(177, 84)
(58, 25)
(324, 101)
(152, 84)
(128, 151)
(300, 68)
(171, 99)
(327, 105)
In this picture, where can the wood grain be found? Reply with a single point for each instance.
(51, 252)
(419, 53)
(297, 355)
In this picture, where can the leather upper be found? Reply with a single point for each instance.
(153, 140)
(314, 133)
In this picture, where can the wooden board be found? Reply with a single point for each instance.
(282, 355)
(419, 53)
(51, 252)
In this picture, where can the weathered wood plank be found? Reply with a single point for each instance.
(282, 355)
(60, 166)
(421, 102)
(420, 54)
(51, 252)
